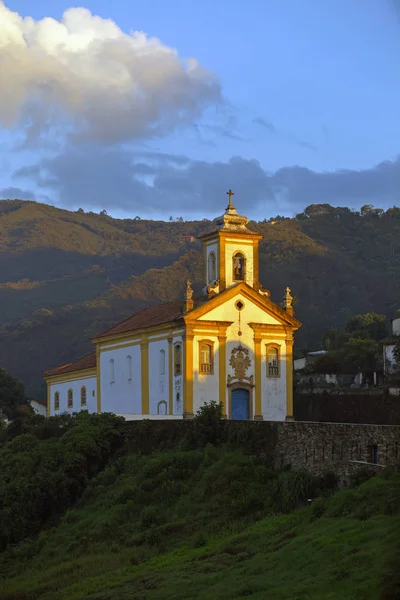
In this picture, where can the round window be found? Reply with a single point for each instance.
(239, 305)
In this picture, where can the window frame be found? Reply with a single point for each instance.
(56, 400)
(210, 344)
(277, 374)
(162, 359)
(83, 400)
(177, 372)
(111, 367)
(162, 403)
(211, 256)
(129, 367)
(70, 395)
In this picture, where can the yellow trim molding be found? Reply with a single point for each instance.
(258, 381)
(48, 408)
(144, 367)
(71, 376)
(221, 264)
(188, 376)
(170, 375)
(98, 380)
(222, 368)
(289, 378)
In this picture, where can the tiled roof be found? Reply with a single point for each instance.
(87, 362)
(151, 316)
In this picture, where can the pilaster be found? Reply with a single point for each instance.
(144, 363)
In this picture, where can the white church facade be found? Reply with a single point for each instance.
(232, 345)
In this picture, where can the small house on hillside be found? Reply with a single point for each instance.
(309, 358)
(389, 362)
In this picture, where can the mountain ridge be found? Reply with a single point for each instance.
(65, 276)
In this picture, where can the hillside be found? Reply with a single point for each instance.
(198, 522)
(64, 276)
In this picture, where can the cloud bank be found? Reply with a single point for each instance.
(159, 184)
(85, 76)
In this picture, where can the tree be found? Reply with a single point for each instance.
(12, 394)
(368, 325)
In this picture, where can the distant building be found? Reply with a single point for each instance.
(309, 358)
(389, 363)
(185, 239)
(39, 407)
(233, 345)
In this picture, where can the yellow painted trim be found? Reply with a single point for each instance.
(205, 266)
(83, 387)
(247, 291)
(221, 264)
(72, 376)
(144, 364)
(211, 343)
(289, 377)
(188, 376)
(278, 348)
(258, 380)
(119, 346)
(54, 400)
(222, 369)
(266, 329)
(48, 407)
(170, 376)
(214, 235)
(256, 264)
(135, 335)
(98, 380)
(72, 396)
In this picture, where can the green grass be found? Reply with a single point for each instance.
(208, 525)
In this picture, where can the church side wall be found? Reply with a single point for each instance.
(205, 386)
(75, 385)
(121, 391)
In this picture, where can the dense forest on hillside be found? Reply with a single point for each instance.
(89, 510)
(65, 276)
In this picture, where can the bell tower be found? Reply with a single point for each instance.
(230, 252)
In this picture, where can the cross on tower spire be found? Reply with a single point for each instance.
(230, 194)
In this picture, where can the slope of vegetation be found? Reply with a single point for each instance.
(84, 517)
(65, 276)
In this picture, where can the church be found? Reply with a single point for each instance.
(233, 345)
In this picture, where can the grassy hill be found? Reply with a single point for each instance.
(198, 522)
(65, 276)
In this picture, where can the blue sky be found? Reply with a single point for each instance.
(298, 103)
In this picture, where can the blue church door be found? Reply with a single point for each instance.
(240, 404)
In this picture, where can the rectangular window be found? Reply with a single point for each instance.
(70, 398)
(162, 362)
(177, 352)
(112, 374)
(83, 396)
(129, 367)
(206, 358)
(273, 362)
(57, 401)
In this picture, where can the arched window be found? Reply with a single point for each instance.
(238, 266)
(112, 373)
(56, 400)
(129, 367)
(272, 361)
(177, 353)
(83, 396)
(212, 264)
(70, 398)
(206, 363)
(162, 408)
(162, 362)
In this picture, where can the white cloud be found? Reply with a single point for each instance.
(83, 74)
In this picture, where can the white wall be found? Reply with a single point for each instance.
(38, 408)
(124, 394)
(205, 386)
(396, 326)
(389, 363)
(244, 246)
(75, 386)
(273, 388)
